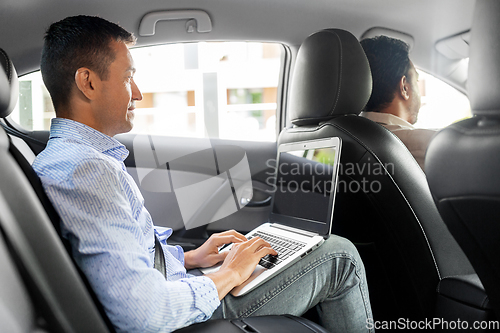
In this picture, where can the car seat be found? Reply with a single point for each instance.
(463, 160)
(383, 202)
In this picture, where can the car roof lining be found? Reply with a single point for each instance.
(285, 21)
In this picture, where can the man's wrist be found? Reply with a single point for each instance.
(224, 280)
(190, 260)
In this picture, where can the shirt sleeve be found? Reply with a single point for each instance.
(177, 251)
(110, 247)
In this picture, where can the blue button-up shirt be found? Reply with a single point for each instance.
(112, 234)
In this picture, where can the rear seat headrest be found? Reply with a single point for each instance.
(331, 77)
(9, 86)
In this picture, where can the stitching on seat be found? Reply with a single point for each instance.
(393, 181)
(452, 276)
(340, 76)
(401, 192)
(7, 61)
(446, 277)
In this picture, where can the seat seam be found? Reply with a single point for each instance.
(9, 75)
(395, 184)
(340, 78)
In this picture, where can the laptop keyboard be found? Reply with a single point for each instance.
(285, 247)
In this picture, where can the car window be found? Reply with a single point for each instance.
(224, 90)
(441, 104)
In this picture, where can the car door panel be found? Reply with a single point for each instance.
(162, 166)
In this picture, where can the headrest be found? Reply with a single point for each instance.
(9, 87)
(483, 83)
(332, 77)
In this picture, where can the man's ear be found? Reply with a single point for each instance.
(404, 88)
(86, 82)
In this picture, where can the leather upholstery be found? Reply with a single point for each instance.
(463, 160)
(463, 297)
(466, 289)
(332, 77)
(263, 324)
(9, 88)
(404, 244)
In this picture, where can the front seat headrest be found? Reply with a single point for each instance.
(483, 82)
(332, 77)
(9, 87)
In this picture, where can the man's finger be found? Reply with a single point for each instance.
(221, 240)
(223, 255)
(263, 251)
(257, 243)
(234, 233)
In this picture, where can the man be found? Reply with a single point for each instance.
(395, 99)
(89, 72)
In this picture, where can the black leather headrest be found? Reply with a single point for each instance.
(9, 87)
(332, 77)
(483, 83)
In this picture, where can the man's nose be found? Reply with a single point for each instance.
(136, 93)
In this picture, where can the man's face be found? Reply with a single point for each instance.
(116, 102)
(414, 101)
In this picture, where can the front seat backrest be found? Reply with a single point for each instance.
(463, 160)
(383, 202)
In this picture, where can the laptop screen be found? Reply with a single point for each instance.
(306, 179)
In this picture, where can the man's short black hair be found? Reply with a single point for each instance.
(389, 61)
(75, 42)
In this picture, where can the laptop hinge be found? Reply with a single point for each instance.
(294, 230)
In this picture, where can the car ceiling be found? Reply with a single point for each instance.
(23, 22)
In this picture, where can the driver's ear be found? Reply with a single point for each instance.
(404, 88)
(87, 82)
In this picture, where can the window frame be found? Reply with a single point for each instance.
(282, 86)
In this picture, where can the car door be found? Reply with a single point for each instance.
(197, 185)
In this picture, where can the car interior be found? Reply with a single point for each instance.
(428, 240)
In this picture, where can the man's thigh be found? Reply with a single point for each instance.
(298, 288)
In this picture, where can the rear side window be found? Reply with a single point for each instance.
(224, 90)
(441, 105)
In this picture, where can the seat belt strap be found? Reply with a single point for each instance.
(160, 258)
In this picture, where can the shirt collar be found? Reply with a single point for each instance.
(76, 131)
(386, 119)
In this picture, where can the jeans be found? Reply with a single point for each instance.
(330, 279)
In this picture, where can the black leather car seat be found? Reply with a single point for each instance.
(393, 220)
(463, 160)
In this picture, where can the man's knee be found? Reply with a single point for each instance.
(339, 245)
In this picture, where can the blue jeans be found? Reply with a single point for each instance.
(330, 279)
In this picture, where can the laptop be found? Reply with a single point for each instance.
(302, 207)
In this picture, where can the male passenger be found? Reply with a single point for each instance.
(395, 99)
(89, 72)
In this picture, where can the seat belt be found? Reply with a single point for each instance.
(160, 258)
(21, 135)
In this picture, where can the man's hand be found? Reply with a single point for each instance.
(208, 254)
(239, 264)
